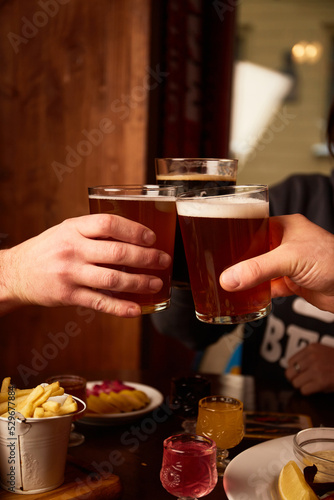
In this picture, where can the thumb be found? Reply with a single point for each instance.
(252, 272)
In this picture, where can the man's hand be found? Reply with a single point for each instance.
(69, 263)
(301, 262)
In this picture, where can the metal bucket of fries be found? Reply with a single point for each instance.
(33, 450)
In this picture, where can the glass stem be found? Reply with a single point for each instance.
(221, 461)
(189, 425)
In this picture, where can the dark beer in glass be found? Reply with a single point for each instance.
(187, 174)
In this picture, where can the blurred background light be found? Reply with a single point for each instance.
(306, 52)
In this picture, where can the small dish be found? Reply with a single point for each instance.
(122, 418)
(315, 446)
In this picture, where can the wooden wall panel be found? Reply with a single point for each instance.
(69, 69)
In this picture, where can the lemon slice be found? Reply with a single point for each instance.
(292, 484)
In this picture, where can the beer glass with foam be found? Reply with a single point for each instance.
(154, 207)
(220, 227)
(188, 174)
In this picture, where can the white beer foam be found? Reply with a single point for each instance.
(227, 207)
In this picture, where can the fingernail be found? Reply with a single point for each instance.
(231, 278)
(164, 260)
(155, 284)
(148, 237)
(134, 311)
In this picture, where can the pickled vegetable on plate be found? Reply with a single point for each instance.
(115, 397)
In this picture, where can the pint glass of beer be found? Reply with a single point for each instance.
(188, 174)
(154, 207)
(221, 227)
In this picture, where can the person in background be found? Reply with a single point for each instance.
(295, 343)
(69, 264)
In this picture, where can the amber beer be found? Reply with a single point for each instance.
(188, 174)
(154, 207)
(217, 232)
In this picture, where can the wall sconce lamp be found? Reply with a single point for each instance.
(305, 52)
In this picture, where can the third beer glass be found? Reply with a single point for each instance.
(221, 227)
(187, 174)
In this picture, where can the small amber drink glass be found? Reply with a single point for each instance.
(220, 418)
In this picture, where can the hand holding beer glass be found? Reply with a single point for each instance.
(154, 207)
(220, 227)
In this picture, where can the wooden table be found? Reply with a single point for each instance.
(134, 451)
(131, 454)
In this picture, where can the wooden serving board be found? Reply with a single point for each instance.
(81, 482)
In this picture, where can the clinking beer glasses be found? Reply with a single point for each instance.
(221, 419)
(189, 466)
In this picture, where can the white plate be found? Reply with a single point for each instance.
(254, 472)
(121, 418)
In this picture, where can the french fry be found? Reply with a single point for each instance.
(54, 387)
(5, 406)
(27, 410)
(71, 408)
(3, 397)
(18, 393)
(35, 394)
(21, 403)
(51, 406)
(38, 413)
(43, 397)
(37, 397)
(35, 403)
(17, 406)
(5, 384)
(69, 400)
(59, 392)
(22, 392)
